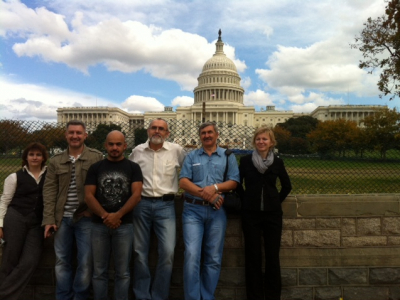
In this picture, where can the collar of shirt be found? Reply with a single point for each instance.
(219, 151)
(164, 146)
(73, 159)
(65, 157)
(25, 169)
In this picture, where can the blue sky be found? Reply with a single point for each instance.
(144, 55)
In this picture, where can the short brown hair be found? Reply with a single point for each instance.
(76, 122)
(34, 146)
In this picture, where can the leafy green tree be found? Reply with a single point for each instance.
(97, 138)
(383, 130)
(140, 136)
(379, 43)
(301, 126)
(298, 129)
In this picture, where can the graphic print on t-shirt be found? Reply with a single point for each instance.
(114, 189)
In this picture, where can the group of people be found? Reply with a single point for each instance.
(109, 206)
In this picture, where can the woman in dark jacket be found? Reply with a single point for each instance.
(21, 213)
(262, 215)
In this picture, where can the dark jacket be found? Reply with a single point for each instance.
(254, 182)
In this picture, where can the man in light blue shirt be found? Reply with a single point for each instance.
(203, 217)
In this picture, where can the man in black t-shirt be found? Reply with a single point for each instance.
(112, 189)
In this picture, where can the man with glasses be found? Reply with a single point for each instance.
(159, 161)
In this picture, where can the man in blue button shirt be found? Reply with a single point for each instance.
(203, 217)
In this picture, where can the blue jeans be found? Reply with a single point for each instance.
(203, 231)
(119, 241)
(161, 216)
(68, 287)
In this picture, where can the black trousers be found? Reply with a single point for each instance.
(267, 225)
(21, 253)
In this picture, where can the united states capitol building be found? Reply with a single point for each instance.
(218, 97)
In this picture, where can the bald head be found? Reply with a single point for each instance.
(115, 134)
(115, 145)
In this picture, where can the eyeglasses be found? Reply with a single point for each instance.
(160, 129)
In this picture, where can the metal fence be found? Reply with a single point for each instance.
(310, 174)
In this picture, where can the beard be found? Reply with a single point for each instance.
(156, 140)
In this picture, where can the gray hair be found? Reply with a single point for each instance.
(158, 119)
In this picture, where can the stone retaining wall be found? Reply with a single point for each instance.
(332, 246)
(341, 246)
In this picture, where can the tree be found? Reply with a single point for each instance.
(97, 138)
(299, 146)
(383, 129)
(52, 136)
(379, 43)
(140, 136)
(301, 126)
(361, 141)
(282, 137)
(333, 136)
(13, 135)
(298, 128)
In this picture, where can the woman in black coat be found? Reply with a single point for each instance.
(262, 215)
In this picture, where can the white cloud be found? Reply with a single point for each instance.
(230, 53)
(313, 100)
(257, 98)
(42, 112)
(182, 101)
(136, 104)
(322, 61)
(305, 45)
(246, 82)
(28, 101)
(327, 66)
(17, 19)
(125, 46)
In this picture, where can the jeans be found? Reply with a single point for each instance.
(21, 253)
(161, 216)
(203, 231)
(68, 287)
(120, 242)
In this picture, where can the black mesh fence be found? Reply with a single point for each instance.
(310, 173)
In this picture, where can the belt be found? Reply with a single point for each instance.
(166, 197)
(195, 201)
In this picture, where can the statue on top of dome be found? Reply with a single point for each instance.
(219, 33)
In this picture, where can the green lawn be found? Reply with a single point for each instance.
(313, 175)
(317, 176)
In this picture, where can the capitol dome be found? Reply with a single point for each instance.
(219, 81)
(219, 61)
